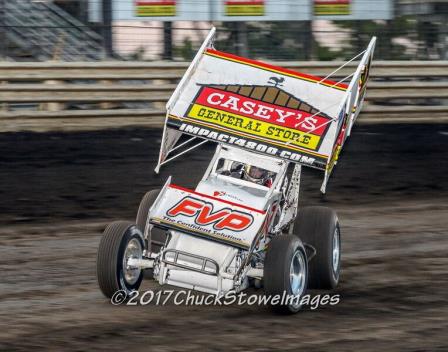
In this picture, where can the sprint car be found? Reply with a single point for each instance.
(241, 225)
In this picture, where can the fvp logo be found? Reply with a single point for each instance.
(203, 214)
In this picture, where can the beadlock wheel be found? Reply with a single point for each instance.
(121, 241)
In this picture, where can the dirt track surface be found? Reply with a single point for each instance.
(59, 190)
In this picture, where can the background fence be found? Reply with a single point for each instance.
(55, 95)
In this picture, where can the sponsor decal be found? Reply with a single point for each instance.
(155, 8)
(204, 214)
(227, 195)
(261, 111)
(250, 144)
(261, 117)
(331, 7)
(244, 7)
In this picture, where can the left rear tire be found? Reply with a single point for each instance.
(319, 228)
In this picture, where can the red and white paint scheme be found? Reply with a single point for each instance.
(207, 216)
(203, 214)
(217, 237)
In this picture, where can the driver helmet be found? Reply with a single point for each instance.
(255, 174)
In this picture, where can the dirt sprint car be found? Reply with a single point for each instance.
(241, 225)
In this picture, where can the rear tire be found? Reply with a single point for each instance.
(121, 240)
(156, 237)
(286, 272)
(319, 228)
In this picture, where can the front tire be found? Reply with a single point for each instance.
(286, 272)
(319, 228)
(121, 240)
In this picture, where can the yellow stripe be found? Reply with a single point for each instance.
(333, 9)
(274, 70)
(160, 10)
(245, 10)
(258, 128)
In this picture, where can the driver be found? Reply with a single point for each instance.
(257, 175)
(249, 173)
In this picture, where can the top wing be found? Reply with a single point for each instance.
(262, 108)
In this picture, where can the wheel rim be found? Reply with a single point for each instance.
(297, 273)
(336, 251)
(133, 250)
